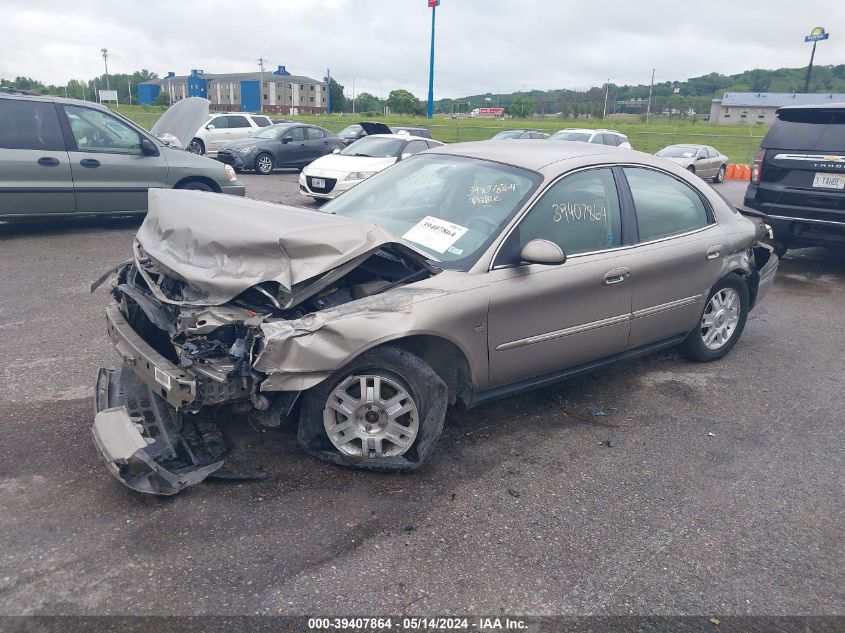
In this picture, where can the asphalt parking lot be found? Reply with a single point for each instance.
(659, 486)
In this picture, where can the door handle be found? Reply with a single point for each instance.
(302, 144)
(714, 251)
(616, 276)
(89, 162)
(48, 161)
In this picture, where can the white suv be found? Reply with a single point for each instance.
(224, 127)
(599, 137)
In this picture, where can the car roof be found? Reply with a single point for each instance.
(525, 153)
(48, 98)
(401, 137)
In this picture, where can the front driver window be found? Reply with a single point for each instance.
(580, 213)
(96, 131)
(297, 134)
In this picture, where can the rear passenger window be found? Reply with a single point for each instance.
(315, 133)
(262, 121)
(597, 139)
(664, 206)
(611, 139)
(580, 213)
(238, 121)
(29, 125)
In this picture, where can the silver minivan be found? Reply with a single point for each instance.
(65, 157)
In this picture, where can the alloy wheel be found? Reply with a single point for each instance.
(371, 416)
(264, 164)
(720, 318)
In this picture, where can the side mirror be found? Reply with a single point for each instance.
(287, 139)
(542, 252)
(210, 126)
(148, 148)
(335, 151)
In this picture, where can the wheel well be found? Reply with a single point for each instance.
(198, 140)
(446, 359)
(206, 181)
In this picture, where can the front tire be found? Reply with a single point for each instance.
(720, 175)
(384, 411)
(196, 186)
(691, 169)
(196, 146)
(264, 164)
(721, 323)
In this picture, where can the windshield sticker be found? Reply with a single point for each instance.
(455, 251)
(489, 194)
(578, 212)
(434, 233)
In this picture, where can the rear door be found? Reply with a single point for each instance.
(316, 144)
(35, 174)
(110, 172)
(678, 258)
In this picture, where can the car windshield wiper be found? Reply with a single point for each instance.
(364, 155)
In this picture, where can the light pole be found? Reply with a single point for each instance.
(433, 4)
(606, 92)
(261, 61)
(105, 52)
(817, 35)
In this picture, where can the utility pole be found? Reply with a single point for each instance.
(353, 95)
(433, 4)
(261, 61)
(130, 92)
(650, 90)
(606, 91)
(817, 35)
(105, 52)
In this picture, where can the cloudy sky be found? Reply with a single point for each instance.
(482, 45)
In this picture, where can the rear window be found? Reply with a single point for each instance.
(29, 125)
(261, 121)
(808, 129)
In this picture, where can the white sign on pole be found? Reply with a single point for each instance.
(108, 95)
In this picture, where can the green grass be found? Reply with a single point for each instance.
(737, 142)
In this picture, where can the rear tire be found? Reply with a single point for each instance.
(264, 164)
(720, 175)
(196, 146)
(384, 412)
(721, 323)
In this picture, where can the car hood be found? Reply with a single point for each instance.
(183, 119)
(346, 164)
(243, 142)
(374, 127)
(220, 246)
(683, 162)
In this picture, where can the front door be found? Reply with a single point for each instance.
(35, 175)
(544, 318)
(679, 257)
(110, 172)
(294, 151)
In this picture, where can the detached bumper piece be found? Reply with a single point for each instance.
(147, 444)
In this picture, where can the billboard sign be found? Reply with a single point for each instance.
(108, 95)
(817, 35)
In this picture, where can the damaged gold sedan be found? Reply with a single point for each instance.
(457, 276)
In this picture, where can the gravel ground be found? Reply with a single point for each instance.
(658, 486)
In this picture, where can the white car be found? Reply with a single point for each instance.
(597, 137)
(225, 127)
(331, 175)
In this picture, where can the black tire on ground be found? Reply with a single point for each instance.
(196, 146)
(694, 347)
(428, 392)
(781, 248)
(691, 169)
(264, 164)
(195, 185)
(720, 175)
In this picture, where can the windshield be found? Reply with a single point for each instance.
(678, 151)
(267, 132)
(351, 131)
(449, 207)
(375, 147)
(582, 137)
(508, 134)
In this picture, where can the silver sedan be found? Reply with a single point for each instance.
(702, 160)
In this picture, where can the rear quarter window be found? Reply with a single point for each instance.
(811, 129)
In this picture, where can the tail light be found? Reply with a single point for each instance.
(757, 168)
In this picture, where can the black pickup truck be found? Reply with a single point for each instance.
(798, 177)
